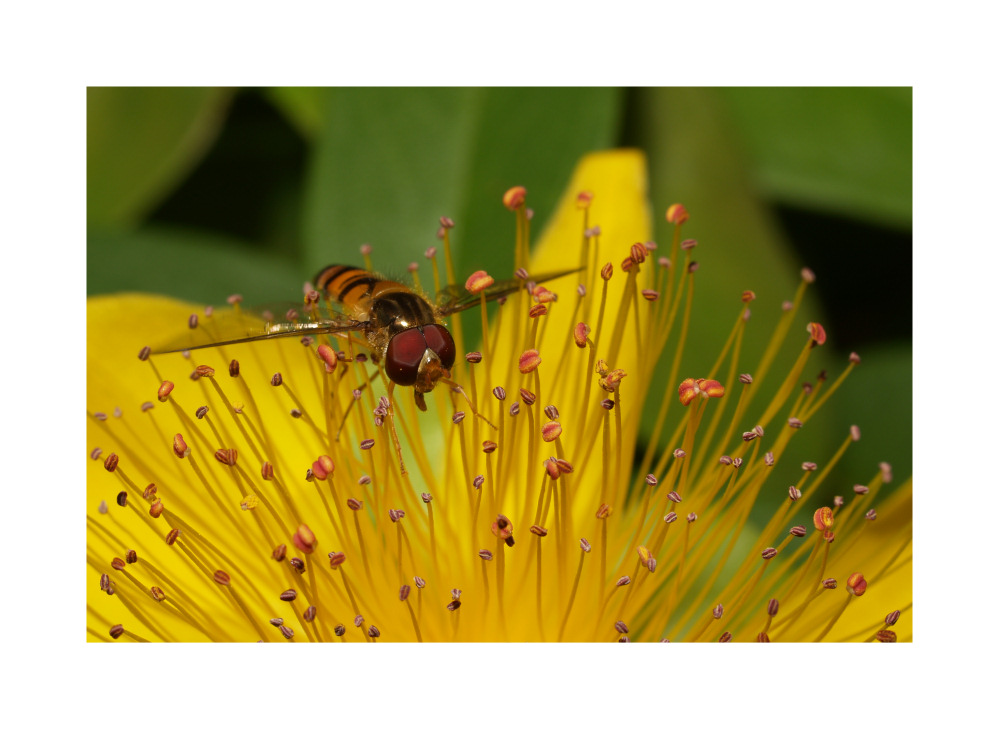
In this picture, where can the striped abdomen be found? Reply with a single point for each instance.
(370, 297)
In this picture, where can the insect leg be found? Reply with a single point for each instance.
(471, 405)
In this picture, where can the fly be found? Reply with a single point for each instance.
(404, 330)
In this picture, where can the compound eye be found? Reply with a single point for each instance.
(439, 339)
(404, 354)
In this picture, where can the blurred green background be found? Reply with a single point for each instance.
(203, 192)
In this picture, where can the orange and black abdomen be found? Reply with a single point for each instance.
(368, 296)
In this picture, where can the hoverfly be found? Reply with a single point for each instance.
(403, 329)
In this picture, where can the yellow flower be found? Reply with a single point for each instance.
(266, 501)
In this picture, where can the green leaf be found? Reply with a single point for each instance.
(189, 265)
(304, 107)
(141, 142)
(846, 150)
(390, 162)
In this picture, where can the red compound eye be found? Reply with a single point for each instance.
(439, 339)
(402, 359)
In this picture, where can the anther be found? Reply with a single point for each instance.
(179, 446)
(583, 200)
(622, 581)
(354, 504)
(768, 459)
(514, 197)
(116, 631)
(287, 632)
(171, 537)
(111, 462)
(691, 517)
(584, 545)
(892, 618)
(650, 295)
(514, 408)
(489, 447)
(288, 595)
(477, 481)
(718, 611)
(607, 404)
(768, 553)
(234, 368)
(364, 480)
(367, 444)
(503, 528)
(279, 552)
(829, 583)
(298, 564)
(551, 431)
(871, 515)
(226, 456)
(527, 396)
(807, 275)
(395, 515)
(267, 471)
(823, 518)
(539, 530)
(676, 215)
(323, 467)
(886, 636)
(818, 333)
(166, 387)
(118, 564)
(458, 417)
(606, 271)
(276, 379)
(122, 499)
(473, 357)
(201, 412)
(763, 638)
(144, 353)
(856, 584)
(529, 362)
(621, 627)
(650, 479)
(276, 622)
(304, 540)
(337, 559)
(603, 512)
(101, 416)
(156, 509)
(329, 357)
(310, 614)
(809, 466)
(793, 493)
(499, 393)
(670, 517)
(580, 334)
(339, 629)
(838, 501)
(704, 388)
(485, 554)
(158, 595)
(221, 577)
(419, 581)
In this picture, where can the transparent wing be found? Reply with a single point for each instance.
(455, 298)
(271, 322)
